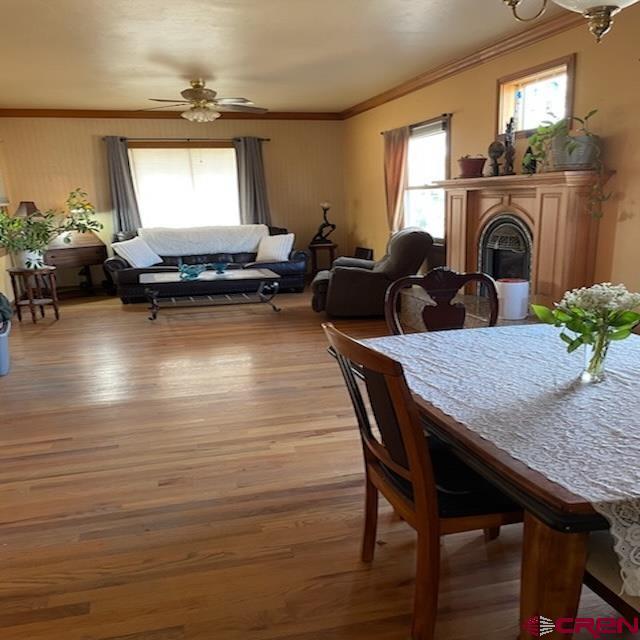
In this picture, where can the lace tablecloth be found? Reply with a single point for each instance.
(518, 388)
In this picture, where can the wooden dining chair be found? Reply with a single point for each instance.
(427, 485)
(442, 285)
(603, 577)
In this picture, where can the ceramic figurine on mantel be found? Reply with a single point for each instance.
(326, 228)
(510, 149)
(529, 162)
(496, 151)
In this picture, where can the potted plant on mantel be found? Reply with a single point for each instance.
(28, 237)
(472, 166)
(555, 148)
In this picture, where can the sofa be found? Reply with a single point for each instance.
(185, 249)
(357, 288)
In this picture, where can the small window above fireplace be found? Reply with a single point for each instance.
(534, 95)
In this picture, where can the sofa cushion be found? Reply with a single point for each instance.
(137, 253)
(275, 248)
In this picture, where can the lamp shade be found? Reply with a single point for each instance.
(26, 208)
(581, 6)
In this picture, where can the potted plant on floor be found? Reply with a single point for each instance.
(6, 312)
(554, 147)
(27, 237)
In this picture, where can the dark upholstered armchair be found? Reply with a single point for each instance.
(355, 287)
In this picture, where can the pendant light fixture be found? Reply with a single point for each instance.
(599, 16)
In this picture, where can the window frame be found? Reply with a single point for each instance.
(569, 62)
(445, 119)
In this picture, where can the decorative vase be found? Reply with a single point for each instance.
(29, 259)
(594, 358)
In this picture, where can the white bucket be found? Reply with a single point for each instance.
(513, 294)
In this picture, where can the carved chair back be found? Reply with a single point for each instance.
(398, 451)
(442, 285)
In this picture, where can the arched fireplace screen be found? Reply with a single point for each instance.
(505, 248)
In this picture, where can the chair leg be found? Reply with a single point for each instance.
(425, 607)
(370, 522)
(492, 533)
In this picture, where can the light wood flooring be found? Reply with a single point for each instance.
(200, 478)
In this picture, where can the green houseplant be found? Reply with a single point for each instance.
(27, 237)
(555, 148)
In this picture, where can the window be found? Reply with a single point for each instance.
(185, 186)
(427, 162)
(535, 95)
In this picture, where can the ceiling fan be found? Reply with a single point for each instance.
(205, 106)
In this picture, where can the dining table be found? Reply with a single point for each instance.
(510, 402)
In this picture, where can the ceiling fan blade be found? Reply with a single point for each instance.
(224, 101)
(174, 101)
(165, 106)
(240, 108)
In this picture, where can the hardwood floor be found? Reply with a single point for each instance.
(200, 478)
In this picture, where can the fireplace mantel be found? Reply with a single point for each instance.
(553, 205)
(548, 179)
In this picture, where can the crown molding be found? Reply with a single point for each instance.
(162, 115)
(537, 33)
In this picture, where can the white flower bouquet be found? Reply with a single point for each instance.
(595, 316)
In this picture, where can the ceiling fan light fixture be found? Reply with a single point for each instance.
(200, 114)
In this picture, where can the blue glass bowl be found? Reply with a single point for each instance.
(191, 271)
(220, 267)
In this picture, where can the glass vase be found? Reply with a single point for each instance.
(594, 358)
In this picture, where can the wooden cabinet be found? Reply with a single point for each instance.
(84, 251)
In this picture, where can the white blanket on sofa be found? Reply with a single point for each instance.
(199, 240)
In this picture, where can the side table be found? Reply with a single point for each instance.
(316, 248)
(34, 288)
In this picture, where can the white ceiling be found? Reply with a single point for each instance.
(286, 55)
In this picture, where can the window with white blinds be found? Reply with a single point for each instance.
(186, 187)
(427, 163)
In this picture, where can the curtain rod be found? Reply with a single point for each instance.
(443, 117)
(189, 139)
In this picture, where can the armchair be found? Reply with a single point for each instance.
(356, 287)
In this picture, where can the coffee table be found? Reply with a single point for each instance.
(263, 282)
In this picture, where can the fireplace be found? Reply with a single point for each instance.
(505, 248)
(532, 227)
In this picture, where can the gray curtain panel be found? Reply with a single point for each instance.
(126, 216)
(254, 201)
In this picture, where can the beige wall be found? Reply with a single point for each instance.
(310, 161)
(608, 78)
(48, 157)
